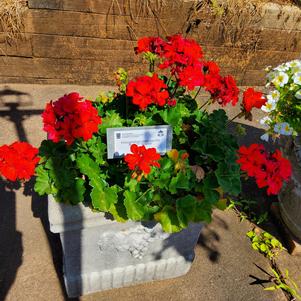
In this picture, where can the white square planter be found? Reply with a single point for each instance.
(101, 254)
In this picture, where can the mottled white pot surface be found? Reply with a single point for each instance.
(100, 253)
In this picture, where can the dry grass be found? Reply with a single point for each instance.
(138, 9)
(11, 18)
(232, 24)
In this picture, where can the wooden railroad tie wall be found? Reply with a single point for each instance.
(85, 41)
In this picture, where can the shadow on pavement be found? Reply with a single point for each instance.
(11, 248)
(208, 240)
(12, 103)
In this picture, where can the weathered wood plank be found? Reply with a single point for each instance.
(19, 47)
(276, 16)
(115, 7)
(228, 56)
(90, 25)
(261, 39)
(109, 50)
(96, 6)
(47, 71)
(65, 70)
(253, 78)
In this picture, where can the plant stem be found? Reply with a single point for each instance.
(126, 107)
(236, 116)
(152, 66)
(175, 90)
(197, 93)
(143, 194)
(167, 83)
(205, 104)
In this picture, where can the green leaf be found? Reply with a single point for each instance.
(228, 177)
(163, 181)
(222, 204)
(132, 184)
(250, 234)
(186, 210)
(203, 212)
(168, 219)
(271, 288)
(102, 196)
(111, 120)
(180, 181)
(174, 115)
(103, 199)
(74, 193)
(210, 185)
(49, 148)
(118, 211)
(43, 184)
(255, 246)
(98, 150)
(134, 209)
(263, 247)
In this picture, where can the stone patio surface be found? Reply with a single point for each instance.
(30, 256)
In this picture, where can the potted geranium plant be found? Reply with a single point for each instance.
(99, 171)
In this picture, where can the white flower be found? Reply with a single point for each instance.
(274, 96)
(296, 69)
(282, 67)
(271, 75)
(298, 94)
(294, 64)
(269, 106)
(281, 79)
(297, 78)
(265, 137)
(283, 128)
(265, 120)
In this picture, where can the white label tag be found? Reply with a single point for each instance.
(119, 140)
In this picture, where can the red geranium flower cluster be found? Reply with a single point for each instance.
(142, 159)
(192, 76)
(252, 99)
(151, 44)
(222, 89)
(184, 57)
(69, 118)
(268, 169)
(180, 52)
(147, 90)
(18, 161)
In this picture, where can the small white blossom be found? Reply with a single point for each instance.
(297, 78)
(283, 128)
(271, 75)
(281, 79)
(265, 137)
(282, 68)
(298, 94)
(296, 69)
(274, 96)
(294, 64)
(269, 106)
(265, 120)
